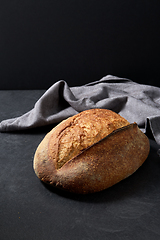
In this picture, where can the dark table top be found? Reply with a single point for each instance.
(31, 210)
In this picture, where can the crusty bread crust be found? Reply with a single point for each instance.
(90, 151)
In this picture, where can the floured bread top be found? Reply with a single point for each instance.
(81, 131)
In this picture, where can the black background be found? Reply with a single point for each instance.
(43, 41)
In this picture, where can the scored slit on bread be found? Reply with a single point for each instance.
(84, 130)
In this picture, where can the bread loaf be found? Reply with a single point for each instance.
(90, 152)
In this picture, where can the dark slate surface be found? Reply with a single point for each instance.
(31, 210)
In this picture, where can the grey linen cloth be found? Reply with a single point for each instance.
(136, 102)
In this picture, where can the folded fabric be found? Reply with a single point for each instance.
(136, 102)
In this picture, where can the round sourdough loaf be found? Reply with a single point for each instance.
(90, 152)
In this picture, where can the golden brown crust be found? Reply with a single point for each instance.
(90, 152)
(81, 131)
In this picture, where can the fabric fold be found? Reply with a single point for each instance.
(135, 102)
